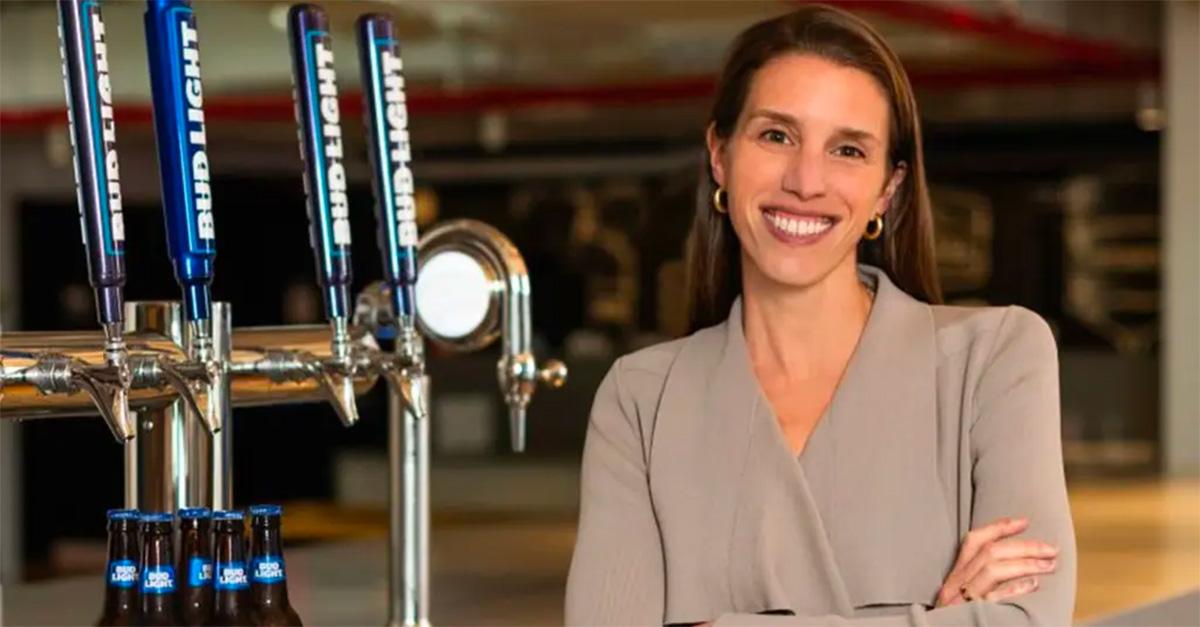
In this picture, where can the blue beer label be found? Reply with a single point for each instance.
(200, 572)
(267, 569)
(122, 573)
(158, 580)
(231, 576)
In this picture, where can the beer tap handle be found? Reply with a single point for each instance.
(174, 53)
(173, 48)
(385, 116)
(84, 49)
(321, 150)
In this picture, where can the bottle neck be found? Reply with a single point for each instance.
(122, 542)
(157, 548)
(193, 541)
(229, 545)
(265, 540)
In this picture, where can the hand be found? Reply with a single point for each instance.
(990, 567)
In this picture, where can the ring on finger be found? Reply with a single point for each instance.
(966, 594)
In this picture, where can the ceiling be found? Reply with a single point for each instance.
(563, 59)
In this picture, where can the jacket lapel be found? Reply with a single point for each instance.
(878, 463)
(697, 469)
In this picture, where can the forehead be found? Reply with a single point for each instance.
(815, 90)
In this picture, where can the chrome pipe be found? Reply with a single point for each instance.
(517, 370)
(266, 365)
(408, 509)
(508, 316)
(36, 372)
(178, 460)
(416, 514)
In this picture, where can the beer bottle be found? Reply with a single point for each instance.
(121, 578)
(158, 570)
(195, 566)
(268, 578)
(231, 605)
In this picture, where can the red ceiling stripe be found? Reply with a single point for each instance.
(1075, 61)
(1003, 30)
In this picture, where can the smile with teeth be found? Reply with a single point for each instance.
(799, 226)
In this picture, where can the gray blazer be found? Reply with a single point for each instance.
(694, 509)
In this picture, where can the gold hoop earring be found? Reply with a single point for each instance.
(719, 200)
(874, 228)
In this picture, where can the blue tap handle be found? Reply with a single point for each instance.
(84, 48)
(386, 120)
(315, 91)
(174, 52)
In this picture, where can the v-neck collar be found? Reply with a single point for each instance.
(885, 398)
(719, 457)
(739, 351)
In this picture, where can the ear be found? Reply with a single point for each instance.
(885, 200)
(716, 153)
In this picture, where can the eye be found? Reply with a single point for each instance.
(775, 136)
(851, 152)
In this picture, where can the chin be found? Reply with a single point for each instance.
(798, 273)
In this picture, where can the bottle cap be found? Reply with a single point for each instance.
(124, 514)
(266, 510)
(192, 513)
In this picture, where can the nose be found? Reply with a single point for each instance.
(804, 174)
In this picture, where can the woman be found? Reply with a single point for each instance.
(831, 447)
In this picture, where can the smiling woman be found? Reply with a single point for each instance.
(830, 445)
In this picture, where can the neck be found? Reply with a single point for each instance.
(803, 332)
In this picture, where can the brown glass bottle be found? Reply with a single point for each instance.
(121, 575)
(195, 566)
(231, 586)
(268, 577)
(158, 571)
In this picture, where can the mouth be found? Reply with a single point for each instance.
(797, 228)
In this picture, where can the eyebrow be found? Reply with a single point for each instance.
(841, 131)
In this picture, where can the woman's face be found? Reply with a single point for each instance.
(805, 167)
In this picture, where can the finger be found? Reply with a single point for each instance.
(990, 574)
(999, 573)
(1014, 588)
(1006, 550)
(969, 563)
(947, 597)
(979, 537)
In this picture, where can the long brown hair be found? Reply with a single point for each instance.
(905, 250)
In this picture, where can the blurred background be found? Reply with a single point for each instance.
(1062, 147)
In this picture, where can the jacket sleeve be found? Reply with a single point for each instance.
(1016, 447)
(616, 574)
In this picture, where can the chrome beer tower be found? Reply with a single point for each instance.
(165, 375)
